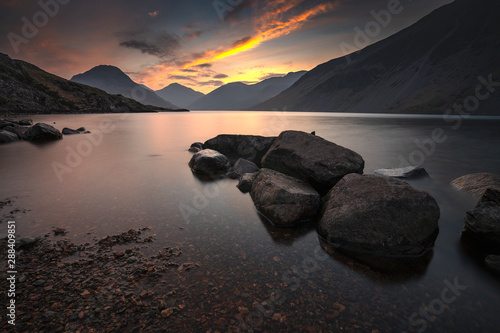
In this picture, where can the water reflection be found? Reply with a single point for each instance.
(286, 235)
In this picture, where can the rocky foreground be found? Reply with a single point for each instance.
(298, 177)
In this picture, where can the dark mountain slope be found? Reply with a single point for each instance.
(425, 68)
(25, 88)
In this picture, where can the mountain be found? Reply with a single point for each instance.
(25, 88)
(179, 94)
(425, 68)
(113, 81)
(241, 96)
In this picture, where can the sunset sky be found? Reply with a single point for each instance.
(201, 44)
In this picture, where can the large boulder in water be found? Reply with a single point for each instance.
(483, 222)
(284, 200)
(42, 132)
(477, 183)
(249, 147)
(7, 136)
(209, 162)
(379, 215)
(313, 159)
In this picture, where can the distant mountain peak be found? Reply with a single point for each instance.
(114, 81)
(179, 95)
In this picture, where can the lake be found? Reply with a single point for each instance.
(132, 172)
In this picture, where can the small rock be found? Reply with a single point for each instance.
(59, 231)
(167, 312)
(406, 172)
(196, 147)
(28, 241)
(40, 282)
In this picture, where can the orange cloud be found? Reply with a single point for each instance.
(271, 26)
(154, 14)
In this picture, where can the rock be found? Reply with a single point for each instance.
(209, 162)
(493, 262)
(28, 241)
(246, 181)
(69, 131)
(249, 147)
(25, 122)
(313, 159)
(5, 123)
(196, 147)
(284, 200)
(241, 167)
(483, 223)
(378, 215)
(8, 137)
(477, 183)
(42, 132)
(406, 172)
(18, 130)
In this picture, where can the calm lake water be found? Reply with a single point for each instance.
(135, 174)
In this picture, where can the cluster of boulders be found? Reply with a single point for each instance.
(482, 224)
(15, 130)
(298, 177)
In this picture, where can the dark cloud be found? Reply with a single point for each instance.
(206, 65)
(193, 35)
(235, 13)
(220, 76)
(189, 71)
(211, 83)
(161, 44)
(242, 41)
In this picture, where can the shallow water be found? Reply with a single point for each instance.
(135, 174)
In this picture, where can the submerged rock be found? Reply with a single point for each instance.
(7, 136)
(42, 132)
(477, 183)
(241, 167)
(209, 162)
(406, 172)
(250, 147)
(313, 159)
(379, 215)
(483, 222)
(284, 200)
(246, 181)
(69, 131)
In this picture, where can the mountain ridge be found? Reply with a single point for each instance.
(114, 81)
(424, 68)
(179, 95)
(241, 96)
(26, 88)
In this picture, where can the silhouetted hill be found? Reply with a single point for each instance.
(25, 88)
(425, 68)
(112, 80)
(241, 96)
(179, 94)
